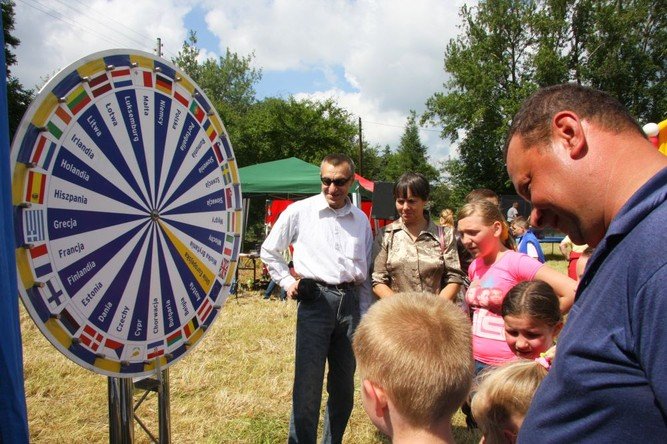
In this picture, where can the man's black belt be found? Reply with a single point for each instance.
(342, 286)
(307, 288)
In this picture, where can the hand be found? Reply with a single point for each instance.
(293, 290)
(450, 291)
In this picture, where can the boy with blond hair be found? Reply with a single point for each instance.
(414, 357)
(503, 396)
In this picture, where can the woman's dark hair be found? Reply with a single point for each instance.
(535, 299)
(415, 182)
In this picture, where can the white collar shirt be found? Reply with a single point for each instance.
(330, 245)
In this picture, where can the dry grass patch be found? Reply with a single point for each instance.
(235, 387)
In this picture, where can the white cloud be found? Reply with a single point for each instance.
(390, 51)
(379, 125)
(55, 34)
(286, 34)
(382, 126)
(205, 54)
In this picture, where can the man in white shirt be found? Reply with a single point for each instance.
(513, 212)
(332, 247)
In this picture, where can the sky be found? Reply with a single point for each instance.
(378, 59)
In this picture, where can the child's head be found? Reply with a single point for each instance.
(483, 228)
(447, 218)
(520, 225)
(483, 194)
(414, 356)
(502, 398)
(532, 318)
(582, 261)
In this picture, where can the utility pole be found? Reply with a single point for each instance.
(158, 49)
(361, 151)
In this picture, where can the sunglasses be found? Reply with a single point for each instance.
(338, 182)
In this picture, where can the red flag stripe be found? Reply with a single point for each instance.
(60, 112)
(38, 152)
(99, 79)
(38, 251)
(120, 72)
(148, 79)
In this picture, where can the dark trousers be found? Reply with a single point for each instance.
(324, 330)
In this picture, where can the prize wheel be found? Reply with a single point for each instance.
(127, 211)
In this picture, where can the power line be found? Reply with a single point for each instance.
(59, 16)
(403, 126)
(147, 41)
(144, 37)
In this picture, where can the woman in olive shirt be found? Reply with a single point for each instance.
(412, 253)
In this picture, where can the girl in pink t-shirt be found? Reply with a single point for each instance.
(496, 269)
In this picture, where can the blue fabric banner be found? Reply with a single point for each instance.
(13, 416)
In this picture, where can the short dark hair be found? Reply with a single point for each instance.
(533, 121)
(338, 159)
(535, 299)
(415, 182)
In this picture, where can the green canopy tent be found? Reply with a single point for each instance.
(286, 178)
(289, 178)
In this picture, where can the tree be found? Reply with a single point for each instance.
(18, 98)
(276, 128)
(441, 197)
(188, 57)
(410, 155)
(509, 48)
(229, 82)
(488, 67)
(373, 162)
(625, 55)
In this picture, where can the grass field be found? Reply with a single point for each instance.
(235, 387)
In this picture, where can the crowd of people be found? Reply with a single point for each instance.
(467, 314)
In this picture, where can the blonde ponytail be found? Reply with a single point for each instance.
(489, 213)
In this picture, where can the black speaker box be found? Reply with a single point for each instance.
(383, 201)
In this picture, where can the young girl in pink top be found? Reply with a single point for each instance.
(532, 319)
(494, 271)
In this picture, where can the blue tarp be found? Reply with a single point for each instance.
(13, 416)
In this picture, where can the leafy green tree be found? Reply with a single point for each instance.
(229, 82)
(614, 45)
(273, 128)
(625, 54)
(188, 57)
(488, 66)
(276, 128)
(441, 198)
(387, 158)
(410, 155)
(373, 162)
(18, 98)
(509, 48)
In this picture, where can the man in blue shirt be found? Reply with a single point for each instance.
(584, 163)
